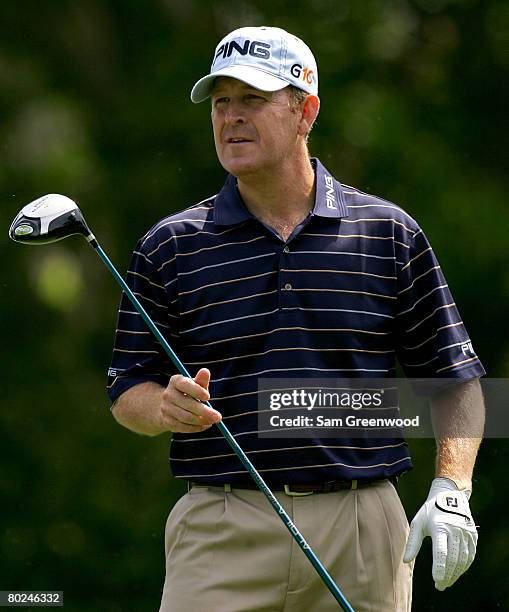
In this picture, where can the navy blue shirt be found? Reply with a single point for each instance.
(354, 288)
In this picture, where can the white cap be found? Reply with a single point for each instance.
(263, 57)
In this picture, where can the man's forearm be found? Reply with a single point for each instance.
(139, 409)
(458, 422)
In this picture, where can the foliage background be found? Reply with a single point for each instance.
(94, 103)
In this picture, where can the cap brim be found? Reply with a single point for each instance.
(252, 76)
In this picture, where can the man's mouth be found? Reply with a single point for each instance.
(237, 140)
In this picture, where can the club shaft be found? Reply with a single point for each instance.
(299, 538)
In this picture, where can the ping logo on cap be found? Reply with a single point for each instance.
(256, 48)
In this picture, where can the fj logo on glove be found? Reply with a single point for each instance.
(452, 502)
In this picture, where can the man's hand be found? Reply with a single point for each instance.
(446, 517)
(181, 408)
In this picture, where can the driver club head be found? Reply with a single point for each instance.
(49, 218)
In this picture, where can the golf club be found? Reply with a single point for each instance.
(53, 217)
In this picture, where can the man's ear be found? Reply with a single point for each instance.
(309, 113)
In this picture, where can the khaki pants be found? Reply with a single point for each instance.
(230, 552)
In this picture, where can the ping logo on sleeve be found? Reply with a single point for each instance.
(467, 348)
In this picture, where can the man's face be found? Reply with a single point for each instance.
(254, 130)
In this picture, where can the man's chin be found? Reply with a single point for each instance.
(242, 168)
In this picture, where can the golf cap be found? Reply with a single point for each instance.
(264, 57)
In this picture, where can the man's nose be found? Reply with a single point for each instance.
(235, 112)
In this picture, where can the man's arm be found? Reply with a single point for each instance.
(151, 409)
(138, 409)
(458, 423)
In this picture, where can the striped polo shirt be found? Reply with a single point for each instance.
(354, 288)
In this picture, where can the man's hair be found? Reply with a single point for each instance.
(296, 98)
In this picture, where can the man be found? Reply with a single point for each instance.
(286, 272)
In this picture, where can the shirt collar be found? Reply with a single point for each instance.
(229, 208)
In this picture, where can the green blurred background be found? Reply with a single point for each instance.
(94, 103)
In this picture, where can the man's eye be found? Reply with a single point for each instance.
(219, 101)
(254, 98)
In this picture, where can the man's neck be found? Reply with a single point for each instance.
(284, 194)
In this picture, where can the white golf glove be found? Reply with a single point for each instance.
(446, 517)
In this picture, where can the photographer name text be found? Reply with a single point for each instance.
(336, 422)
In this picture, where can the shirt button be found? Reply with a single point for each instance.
(288, 287)
(286, 249)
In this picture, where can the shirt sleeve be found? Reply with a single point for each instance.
(432, 341)
(137, 356)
